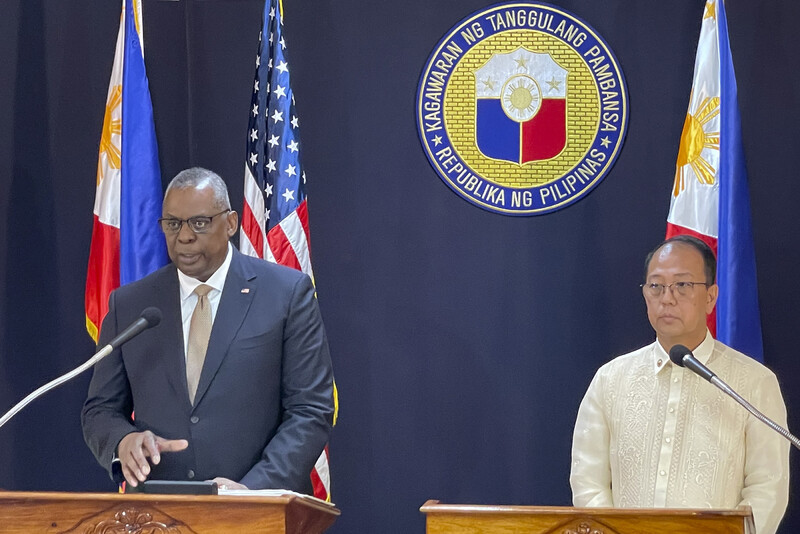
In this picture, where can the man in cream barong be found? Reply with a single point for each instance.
(652, 434)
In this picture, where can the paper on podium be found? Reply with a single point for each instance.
(271, 493)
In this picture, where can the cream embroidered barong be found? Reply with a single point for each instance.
(652, 434)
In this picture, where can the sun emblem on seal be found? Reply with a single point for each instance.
(521, 98)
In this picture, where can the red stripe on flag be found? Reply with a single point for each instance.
(302, 214)
(281, 248)
(252, 230)
(102, 274)
(672, 231)
(319, 488)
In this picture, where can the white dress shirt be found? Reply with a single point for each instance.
(189, 298)
(652, 434)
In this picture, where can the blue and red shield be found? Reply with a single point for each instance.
(521, 113)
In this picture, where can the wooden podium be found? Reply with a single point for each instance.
(469, 519)
(114, 513)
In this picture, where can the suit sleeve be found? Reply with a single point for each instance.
(106, 414)
(306, 397)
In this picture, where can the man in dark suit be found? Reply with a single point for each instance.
(256, 407)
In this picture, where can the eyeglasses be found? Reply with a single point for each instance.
(681, 290)
(199, 224)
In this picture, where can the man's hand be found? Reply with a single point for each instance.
(137, 447)
(227, 484)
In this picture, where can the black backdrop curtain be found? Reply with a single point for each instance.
(462, 340)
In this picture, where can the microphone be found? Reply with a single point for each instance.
(683, 357)
(148, 318)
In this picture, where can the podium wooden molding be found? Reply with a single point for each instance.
(114, 513)
(474, 519)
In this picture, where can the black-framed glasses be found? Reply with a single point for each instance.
(679, 289)
(199, 224)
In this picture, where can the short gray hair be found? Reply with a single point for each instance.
(198, 177)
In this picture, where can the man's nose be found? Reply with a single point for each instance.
(185, 234)
(668, 296)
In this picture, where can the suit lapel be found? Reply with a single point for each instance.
(237, 295)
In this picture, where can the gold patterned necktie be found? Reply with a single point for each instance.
(199, 332)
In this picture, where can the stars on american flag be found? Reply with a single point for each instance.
(273, 145)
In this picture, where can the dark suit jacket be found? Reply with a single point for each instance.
(264, 405)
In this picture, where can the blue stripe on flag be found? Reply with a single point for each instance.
(738, 317)
(142, 248)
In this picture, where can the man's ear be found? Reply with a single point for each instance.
(711, 298)
(233, 222)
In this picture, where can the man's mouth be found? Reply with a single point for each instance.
(187, 257)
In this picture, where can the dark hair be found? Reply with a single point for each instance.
(709, 260)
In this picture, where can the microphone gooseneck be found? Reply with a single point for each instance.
(683, 357)
(148, 318)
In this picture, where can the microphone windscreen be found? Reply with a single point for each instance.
(677, 353)
(152, 315)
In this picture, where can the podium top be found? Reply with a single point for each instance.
(455, 518)
(81, 512)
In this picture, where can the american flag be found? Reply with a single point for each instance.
(275, 216)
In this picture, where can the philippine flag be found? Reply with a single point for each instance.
(710, 198)
(521, 107)
(126, 241)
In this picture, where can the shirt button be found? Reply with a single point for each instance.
(194, 419)
(659, 362)
(668, 440)
(190, 474)
(675, 379)
(672, 410)
(663, 473)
